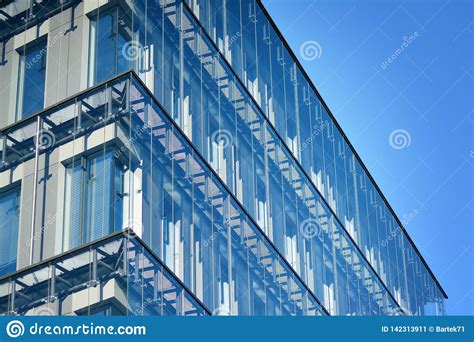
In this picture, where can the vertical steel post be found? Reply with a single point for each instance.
(35, 186)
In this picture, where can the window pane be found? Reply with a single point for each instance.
(108, 52)
(93, 202)
(31, 80)
(9, 220)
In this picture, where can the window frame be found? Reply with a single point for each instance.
(5, 191)
(119, 14)
(40, 44)
(85, 159)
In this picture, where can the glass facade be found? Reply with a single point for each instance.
(253, 47)
(219, 153)
(117, 275)
(168, 195)
(108, 38)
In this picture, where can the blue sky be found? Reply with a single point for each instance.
(425, 89)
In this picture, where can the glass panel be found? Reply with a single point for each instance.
(294, 109)
(178, 197)
(9, 225)
(31, 79)
(99, 280)
(93, 198)
(109, 50)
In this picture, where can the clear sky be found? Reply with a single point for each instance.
(386, 66)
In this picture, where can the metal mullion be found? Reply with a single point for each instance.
(35, 185)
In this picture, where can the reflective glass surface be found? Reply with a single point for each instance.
(169, 196)
(31, 79)
(288, 100)
(224, 159)
(9, 224)
(113, 276)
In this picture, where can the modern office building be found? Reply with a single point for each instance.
(168, 157)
